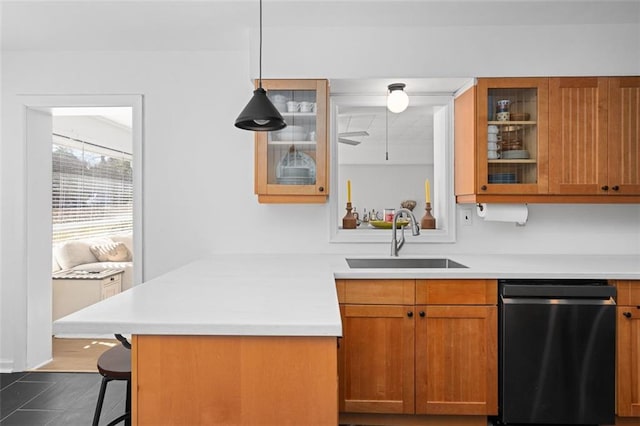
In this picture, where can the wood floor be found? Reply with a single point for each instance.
(77, 355)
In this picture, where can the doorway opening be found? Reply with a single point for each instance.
(92, 220)
(92, 206)
(84, 192)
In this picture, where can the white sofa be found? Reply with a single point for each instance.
(80, 255)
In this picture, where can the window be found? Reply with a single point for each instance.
(419, 144)
(92, 190)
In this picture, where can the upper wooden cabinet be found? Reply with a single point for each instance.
(578, 129)
(624, 136)
(291, 165)
(581, 136)
(594, 129)
(520, 164)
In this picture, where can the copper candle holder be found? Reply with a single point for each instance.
(428, 221)
(349, 220)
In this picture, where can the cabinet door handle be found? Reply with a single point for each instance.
(321, 189)
(605, 188)
(483, 187)
(627, 314)
(615, 187)
(422, 314)
(410, 314)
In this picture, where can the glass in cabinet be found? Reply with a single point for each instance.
(291, 164)
(512, 136)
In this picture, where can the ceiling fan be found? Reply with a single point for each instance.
(343, 137)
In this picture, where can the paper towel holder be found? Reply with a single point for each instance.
(518, 224)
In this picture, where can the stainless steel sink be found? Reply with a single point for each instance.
(401, 262)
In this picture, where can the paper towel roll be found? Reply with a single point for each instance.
(504, 212)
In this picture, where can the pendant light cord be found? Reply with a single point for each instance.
(260, 56)
(386, 128)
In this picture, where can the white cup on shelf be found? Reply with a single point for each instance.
(306, 106)
(293, 106)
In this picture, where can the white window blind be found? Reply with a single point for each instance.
(92, 190)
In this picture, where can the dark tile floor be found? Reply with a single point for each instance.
(69, 399)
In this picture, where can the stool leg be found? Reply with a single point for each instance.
(127, 415)
(103, 388)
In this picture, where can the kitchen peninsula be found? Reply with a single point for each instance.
(251, 339)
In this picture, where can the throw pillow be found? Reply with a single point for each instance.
(127, 239)
(77, 252)
(111, 252)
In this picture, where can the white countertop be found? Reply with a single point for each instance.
(499, 266)
(292, 295)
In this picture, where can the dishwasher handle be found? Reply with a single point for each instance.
(558, 291)
(555, 301)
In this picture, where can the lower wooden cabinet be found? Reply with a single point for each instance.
(628, 349)
(199, 380)
(456, 360)
(377, 353)
(418, 347)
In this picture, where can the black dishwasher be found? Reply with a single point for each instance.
(557, 352)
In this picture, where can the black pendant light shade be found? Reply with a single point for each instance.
(260, 114)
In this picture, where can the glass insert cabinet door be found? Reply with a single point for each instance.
(512, 136)
(291, 164)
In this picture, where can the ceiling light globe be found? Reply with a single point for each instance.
(397, 99)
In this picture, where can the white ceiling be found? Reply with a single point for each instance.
(414, 125)
(121, 116)
(361, 107)
(224, 24)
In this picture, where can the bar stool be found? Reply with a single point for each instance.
(115, 364)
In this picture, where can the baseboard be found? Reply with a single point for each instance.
(6, 366)
(411, 419)
(627, 421)
(41, 364)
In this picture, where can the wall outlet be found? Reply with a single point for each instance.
(466, 216)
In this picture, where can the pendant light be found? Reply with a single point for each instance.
(260, 114)
(397, 98)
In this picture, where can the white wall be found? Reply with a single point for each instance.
(448, 51)
(198, 168)
(383, 186)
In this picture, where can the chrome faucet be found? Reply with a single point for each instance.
(415, 230)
